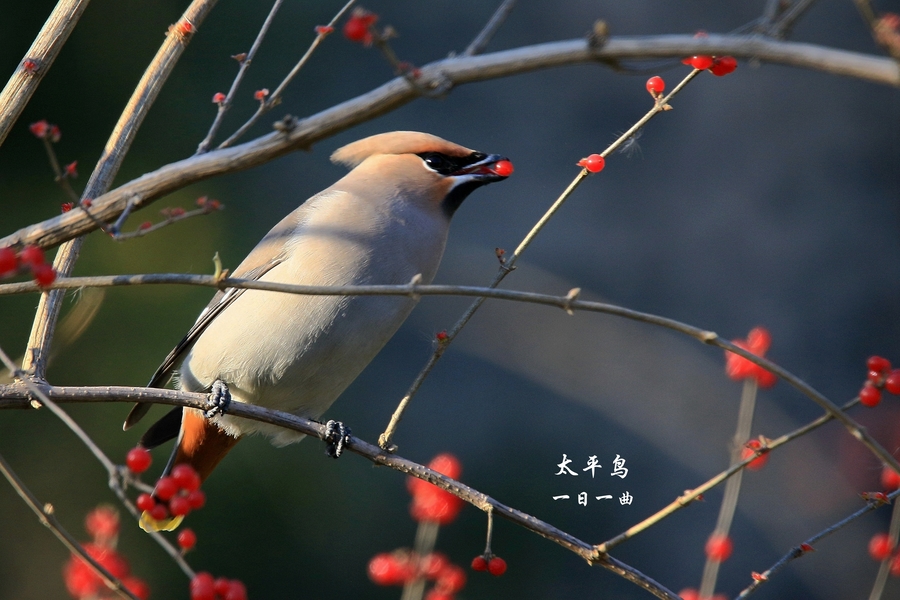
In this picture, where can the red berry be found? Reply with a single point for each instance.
(878, 363)
(39, 129)
(451, 580)
(197, 499)
(869, 395)
(357, 27)
(593, 163)
(479, 564)
(656, 85)
(179, 506)
(723, 66)
(67, 206)
(145, 226)
(718, 547)
(187, 539)
(503, 168)
(236, 591)
(432, 564)
(138, 460)
(102, 523)
(880, 546)
(159, 512)
(138, 587)
(701, 62)
(8, 261)
(145, 502)
(186, 477)
(497, 566)
(222, 585)
(441, 336)
(446, 464)
(389, 569)
(261, 94)
(71, 169)
(165, 489)
(890, 479)
(874, 377)
(203, 587)
(44, 275)
(218, 98)
(891, 383)
(895, 566)
(31, 256)
(750, 450)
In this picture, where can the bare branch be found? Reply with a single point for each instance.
(296, 134)
(37, 61)
(493, 25)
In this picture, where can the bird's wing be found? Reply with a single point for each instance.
(268, 254)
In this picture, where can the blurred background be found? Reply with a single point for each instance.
(768, 197)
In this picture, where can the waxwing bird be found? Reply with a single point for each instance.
(383, 223)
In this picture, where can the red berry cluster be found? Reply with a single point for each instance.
(719, 547)
(431, 503)
(205, 587)
(737, 367)
(402, 566)
(176, 494)
(880, 376)
(494, 565)
(29, 258)
(359, 27)
(881, 546)
(752, 448)
(82, 582)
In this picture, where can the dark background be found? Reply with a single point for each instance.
(766, 197)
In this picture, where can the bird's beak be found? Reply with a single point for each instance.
(491, 168)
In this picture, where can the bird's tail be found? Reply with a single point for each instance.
(202, 445)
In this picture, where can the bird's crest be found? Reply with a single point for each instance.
(395, 142)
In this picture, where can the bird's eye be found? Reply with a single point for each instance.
(436, 161)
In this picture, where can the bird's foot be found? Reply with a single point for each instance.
(218, 400)
(336, 437)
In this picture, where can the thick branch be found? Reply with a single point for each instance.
(449, 72)
(36, 63)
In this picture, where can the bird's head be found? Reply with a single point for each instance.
(432, 170)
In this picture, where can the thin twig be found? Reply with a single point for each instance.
(37, 62)
(275, 99)
(691, 495)
(245, 64)
(46, 516)
(807, 546)
(493, 25)
(733, 487)
(884, 568)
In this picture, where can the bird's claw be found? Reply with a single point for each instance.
(336, 437)
(218, 400)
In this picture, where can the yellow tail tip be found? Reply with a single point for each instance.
(149, 524)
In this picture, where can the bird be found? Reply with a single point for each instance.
(385, 222)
